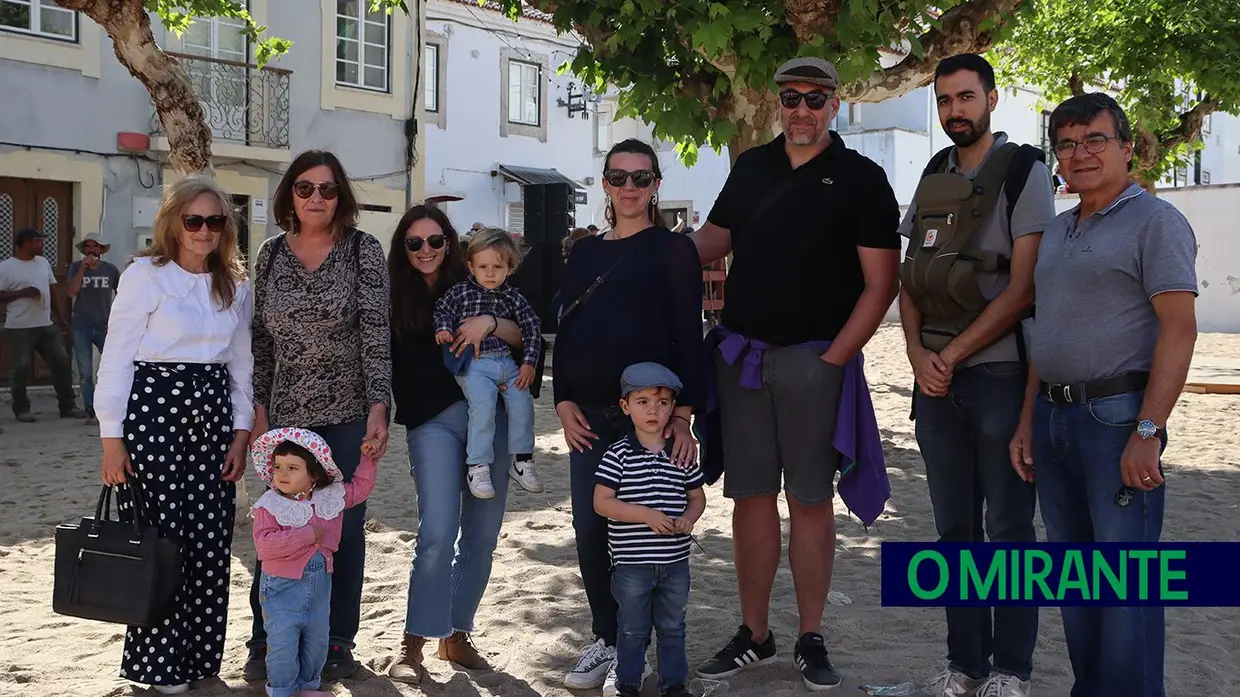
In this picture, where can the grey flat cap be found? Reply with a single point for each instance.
(641, 376)
(815, 71)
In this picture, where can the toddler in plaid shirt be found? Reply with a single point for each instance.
(492, 256)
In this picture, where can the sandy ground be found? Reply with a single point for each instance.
(534, 619)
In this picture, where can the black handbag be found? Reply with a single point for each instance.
(114, 571)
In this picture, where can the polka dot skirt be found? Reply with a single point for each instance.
(178, 431)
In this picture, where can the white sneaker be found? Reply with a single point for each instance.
(526, 475)
(951, 683)
(172, 689)
(1005, 686)
(479, 478)
(592, 667)
(609, 683)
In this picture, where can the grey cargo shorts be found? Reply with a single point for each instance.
(785, 427)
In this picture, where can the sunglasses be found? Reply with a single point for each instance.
(414, 244)
(305, 189)
(642, 178)
(815, 100)
(193, 223)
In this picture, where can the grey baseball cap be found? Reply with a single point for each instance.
(815, 71)
(641, 376)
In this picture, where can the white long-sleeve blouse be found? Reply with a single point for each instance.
(165, 314)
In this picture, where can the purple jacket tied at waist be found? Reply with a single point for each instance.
(863, 484)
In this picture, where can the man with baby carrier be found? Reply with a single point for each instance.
(973, 232)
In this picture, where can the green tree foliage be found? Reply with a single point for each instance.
(700, 71)
(1169, 63)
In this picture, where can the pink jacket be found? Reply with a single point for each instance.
(284, 551)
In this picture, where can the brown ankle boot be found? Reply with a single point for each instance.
(460, 650)
(408, 666)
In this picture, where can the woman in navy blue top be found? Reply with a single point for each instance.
(648, 308)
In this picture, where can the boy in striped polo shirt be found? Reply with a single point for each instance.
(651, 506)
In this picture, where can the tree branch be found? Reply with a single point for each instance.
(1190, 125)
(1076, 84)
(127, 24)
(960, 32)
(811, 19)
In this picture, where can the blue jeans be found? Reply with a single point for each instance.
(1077, 451)
(47, 342)
(964, 439)
(480, 383)
(593, 559)
(447, 578)
(296, 614)
(349, 561)
(87, 338)
(651, 595)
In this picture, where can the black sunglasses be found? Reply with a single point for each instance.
(305, 189)
(642, 178)
(814, 100)
(414, 244)
(193, 223)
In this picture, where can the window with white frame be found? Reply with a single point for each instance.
(602, 132)
(362, 45)
(523, 93)
(41, 17)
(430, 71)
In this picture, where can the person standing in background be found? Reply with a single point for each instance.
(26, 281)
(92, 285)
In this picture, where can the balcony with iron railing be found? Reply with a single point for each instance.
(244, 105)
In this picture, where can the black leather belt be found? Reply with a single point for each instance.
(1084, 392)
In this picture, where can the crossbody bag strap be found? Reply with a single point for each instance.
(775, 196)
(594, 286)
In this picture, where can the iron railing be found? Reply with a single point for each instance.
(243, 103)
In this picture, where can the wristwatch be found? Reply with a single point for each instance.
(1146, 429)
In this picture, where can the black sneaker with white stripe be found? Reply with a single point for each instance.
(740, 653)
(811, 659)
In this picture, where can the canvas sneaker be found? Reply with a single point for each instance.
(479, 479)
(953, 683)
(1004, 686)
(172, 689)
(740, 653)
(591, 669)
(526, 475)
(811, 659)
(609, 683)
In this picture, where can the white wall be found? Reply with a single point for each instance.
(461, 156)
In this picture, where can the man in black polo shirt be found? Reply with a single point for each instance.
(812, 226)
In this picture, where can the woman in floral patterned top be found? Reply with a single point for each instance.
(322, 359)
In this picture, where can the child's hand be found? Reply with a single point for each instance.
(660, 523)
(684, 525)
(525, 376)
(443, 336)
(318, 532)
(370, 448)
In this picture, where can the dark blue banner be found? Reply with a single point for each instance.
(934, 574)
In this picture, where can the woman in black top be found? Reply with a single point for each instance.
(447, 581)
(648, 308)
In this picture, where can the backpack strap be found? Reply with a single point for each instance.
(1018, 174)
(937, 163)
(271, 258)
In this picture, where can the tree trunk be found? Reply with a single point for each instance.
(754, 114)
(129, 26)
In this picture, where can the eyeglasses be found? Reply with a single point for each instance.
(1065, 149)
(193, 223)
(642, 178)
(814, 100)
(414, 244)
(305, 189)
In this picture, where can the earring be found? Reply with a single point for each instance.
(654, 199)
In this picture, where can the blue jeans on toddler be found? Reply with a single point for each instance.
(651, 595)
(480, 383)
(296, 615)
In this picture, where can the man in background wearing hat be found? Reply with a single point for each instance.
(26, 281)
(787, 364)
(92, 285)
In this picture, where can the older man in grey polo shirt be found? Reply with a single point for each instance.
(1111, 345)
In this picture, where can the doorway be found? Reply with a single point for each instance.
(241, 209)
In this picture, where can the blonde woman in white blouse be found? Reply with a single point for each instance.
(175, 407)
